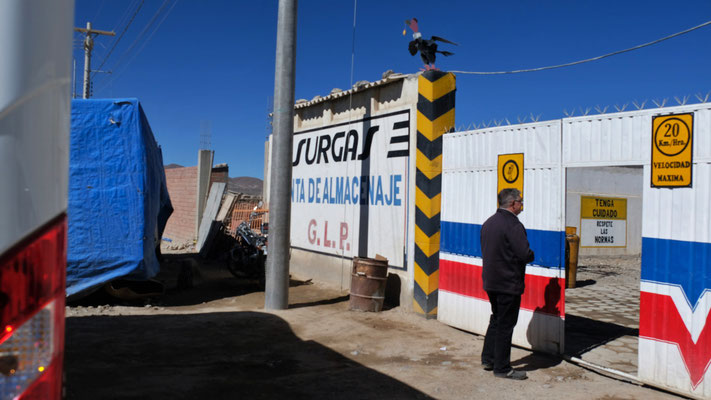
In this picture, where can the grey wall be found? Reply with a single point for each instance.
(267, 170)
(337, 271)
(205, 158)
(624, 182)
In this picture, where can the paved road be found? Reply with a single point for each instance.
(602, 313)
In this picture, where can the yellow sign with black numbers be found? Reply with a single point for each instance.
(510, 172)
(672, 150)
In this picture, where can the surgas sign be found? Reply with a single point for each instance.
(339, 146)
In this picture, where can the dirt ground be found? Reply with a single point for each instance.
(212, 339)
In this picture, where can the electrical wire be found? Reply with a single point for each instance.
(140, 36)
(355, 5)
(118, 26)
(101, 7)
(586, 60)
(143, 44)
(120, 36)
(126, 14)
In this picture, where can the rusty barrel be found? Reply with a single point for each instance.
(368, 278)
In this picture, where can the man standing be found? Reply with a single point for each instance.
(505, 251)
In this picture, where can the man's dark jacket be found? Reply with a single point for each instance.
(505, 250)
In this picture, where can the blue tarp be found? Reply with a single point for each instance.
(118, 199)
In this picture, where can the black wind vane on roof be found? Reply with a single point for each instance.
(426, 47)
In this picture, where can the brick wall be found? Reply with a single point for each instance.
(220, 173)
(182, 187)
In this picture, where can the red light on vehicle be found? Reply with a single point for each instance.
(32, 291)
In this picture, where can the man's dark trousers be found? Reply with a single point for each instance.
(497, 343)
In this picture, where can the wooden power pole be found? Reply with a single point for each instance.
(88, 46)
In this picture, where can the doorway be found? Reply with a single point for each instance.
(604, 210)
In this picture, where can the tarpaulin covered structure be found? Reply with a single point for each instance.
(118, 200)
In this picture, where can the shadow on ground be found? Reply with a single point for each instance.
(535, 361)
(211, 356)
(334, 300)
(584, 282)
(186, 280)
(584, 334)
(601, 270)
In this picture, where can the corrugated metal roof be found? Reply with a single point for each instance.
(358, 87)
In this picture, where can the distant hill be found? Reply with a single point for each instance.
(245, 184)
(241, 184)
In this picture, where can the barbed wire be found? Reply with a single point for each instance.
(584, 111)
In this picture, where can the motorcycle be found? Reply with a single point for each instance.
(247, 258)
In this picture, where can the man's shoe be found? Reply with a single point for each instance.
(487, 366)
(513, 374)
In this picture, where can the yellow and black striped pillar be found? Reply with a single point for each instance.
(435, 117)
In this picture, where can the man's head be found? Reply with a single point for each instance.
(510, 199)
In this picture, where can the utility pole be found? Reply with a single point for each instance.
(277, 274)
(88, 46)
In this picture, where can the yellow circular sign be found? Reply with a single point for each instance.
(672, 137)
(510, 171)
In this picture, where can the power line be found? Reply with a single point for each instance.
(99, 10)
(140, 36)
(121, 35)
(126, 14)
(586, 60)
(145, 42)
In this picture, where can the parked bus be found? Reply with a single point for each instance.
(35, 65)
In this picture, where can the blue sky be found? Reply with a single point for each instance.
(213, 60)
